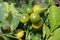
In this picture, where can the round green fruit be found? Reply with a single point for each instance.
(34, 18)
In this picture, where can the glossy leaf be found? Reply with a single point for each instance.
(54, 17)
(46, 31)
(56, 35)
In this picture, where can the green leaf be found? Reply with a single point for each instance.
(49, 2)
(7, 6)
(46, 31)
(56, 35)
(13, 9)
(2, 11)
(14, 17)
(14, 23)
(10, 16)
(22, 8)
(30, 3)
(57, 31)
(5, 22)
(5, 38)
(44, 4)
(54, 17)
(35, 36)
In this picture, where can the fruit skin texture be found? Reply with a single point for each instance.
(19, 34)
(37, 8)
(24, 18)
(29, 10)
(34, 18)
(37, 25)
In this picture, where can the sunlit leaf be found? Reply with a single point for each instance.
(13, 9)
(7, 6)
(46, 31)
(54, 17)
(2, 11)
(56, 35)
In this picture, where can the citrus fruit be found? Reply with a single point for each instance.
(37, 8)
(34, 18)
(20, 33)
(37, 25)
(29, 10)
(24, 18)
